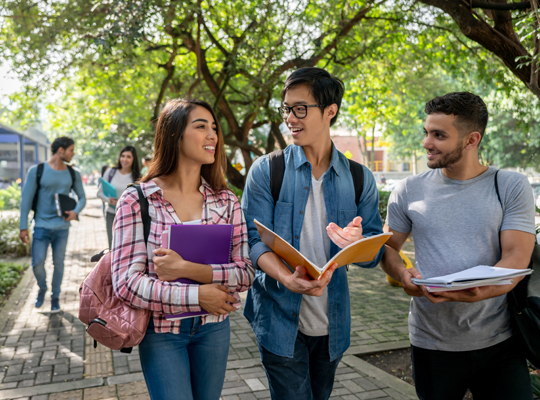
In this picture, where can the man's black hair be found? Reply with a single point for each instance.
(326, 89)
(63, 142)
(470, 111)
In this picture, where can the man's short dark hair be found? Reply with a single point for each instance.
(326, 89)
(63, 142)
(470, 111)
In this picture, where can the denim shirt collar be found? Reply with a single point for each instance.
(301, 159)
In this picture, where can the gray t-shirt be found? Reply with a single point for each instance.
(455, 225)
(315, 245)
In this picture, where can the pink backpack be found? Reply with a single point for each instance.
(112, 321)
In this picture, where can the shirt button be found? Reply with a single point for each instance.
(301, 212)
(296, 237)
(307, 187)
(294, 315)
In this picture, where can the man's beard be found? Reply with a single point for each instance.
(448, 159)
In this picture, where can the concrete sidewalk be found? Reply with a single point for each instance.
(48, 356)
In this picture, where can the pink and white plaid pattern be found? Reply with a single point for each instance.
(141, 287)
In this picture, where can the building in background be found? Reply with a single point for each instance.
(19, 150)
(353, 147)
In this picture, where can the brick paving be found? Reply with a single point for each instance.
(47, 356)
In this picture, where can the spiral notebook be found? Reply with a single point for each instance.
(201, 244)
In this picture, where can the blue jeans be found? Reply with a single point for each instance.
(190, 365)
(309, 375)
(41, 239)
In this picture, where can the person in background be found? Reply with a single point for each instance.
(183, 359)
(49, 228)
(383, 179)
(125, 171)
(146, 163)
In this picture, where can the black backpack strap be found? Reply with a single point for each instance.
(39, 174)
(72, 173)
(111, 174)
(277, 171)
(145, 216)
(357, 172)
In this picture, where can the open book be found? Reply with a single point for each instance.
(361, 251)
(482, 275)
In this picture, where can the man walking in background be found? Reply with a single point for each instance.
(49, 228)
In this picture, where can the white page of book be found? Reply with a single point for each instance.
(479, 272)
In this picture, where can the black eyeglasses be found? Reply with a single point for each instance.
(298, 111)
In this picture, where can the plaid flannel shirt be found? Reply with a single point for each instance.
(140, 286)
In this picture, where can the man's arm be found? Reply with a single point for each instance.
(79, 190)
(517, 248)
(392, 263)
(367, 223)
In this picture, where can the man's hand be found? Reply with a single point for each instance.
(168, 264)
(70, 215)
(113, 201)
(300, 282)
(23, 235)
(344, 237)
(215, 299)
(470, 295)
(406, 281)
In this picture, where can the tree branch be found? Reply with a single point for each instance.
(243, 146)
(524, 5)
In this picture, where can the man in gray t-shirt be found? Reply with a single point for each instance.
(461, 339)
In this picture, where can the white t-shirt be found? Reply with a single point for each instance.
(315, 245)
(119, 182)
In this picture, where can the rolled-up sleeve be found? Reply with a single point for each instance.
(239, 274)
(368, 209)
(129, 255)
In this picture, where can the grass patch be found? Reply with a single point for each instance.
(10, 275)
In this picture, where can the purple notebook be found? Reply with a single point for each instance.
(202, 244)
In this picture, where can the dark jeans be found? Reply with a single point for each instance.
(309, 375)
(186, 366)
(495, 373)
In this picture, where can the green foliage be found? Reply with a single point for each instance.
(10, 244)
(10, 197)
(10, 275)
(384, 195)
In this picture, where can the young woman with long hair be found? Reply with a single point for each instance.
(184, 359)
(125, 172)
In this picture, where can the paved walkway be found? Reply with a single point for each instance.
(49, 357)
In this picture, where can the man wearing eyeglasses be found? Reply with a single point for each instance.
(303, 325)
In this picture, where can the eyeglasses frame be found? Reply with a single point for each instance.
(291, 109)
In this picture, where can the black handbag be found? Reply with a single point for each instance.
(524, 305)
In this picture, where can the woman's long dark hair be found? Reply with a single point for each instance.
(135, 169)
(170, 129)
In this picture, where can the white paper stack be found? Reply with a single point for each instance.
(481, 275)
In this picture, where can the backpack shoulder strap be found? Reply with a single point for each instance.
(145, 216)
(277, 171)
(73, 176)
(357, 172)
(111, 174)
(39, 174)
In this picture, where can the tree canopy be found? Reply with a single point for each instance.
(104, 69)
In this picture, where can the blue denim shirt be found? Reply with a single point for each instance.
(272, 310)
